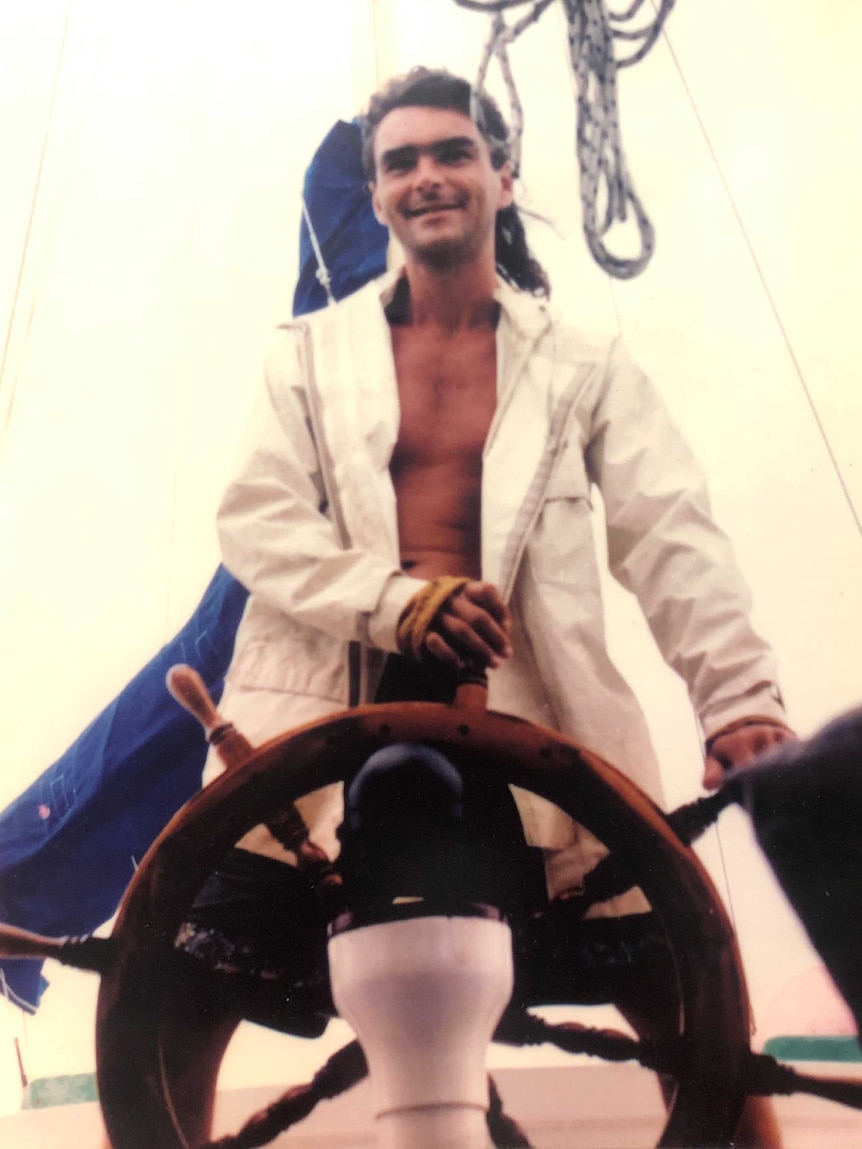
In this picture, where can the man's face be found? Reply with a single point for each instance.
(435, 187)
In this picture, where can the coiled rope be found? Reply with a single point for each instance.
(593, 32)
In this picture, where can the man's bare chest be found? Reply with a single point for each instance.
(447, 391)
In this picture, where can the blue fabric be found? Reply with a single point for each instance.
(353, 244)
(70, 842)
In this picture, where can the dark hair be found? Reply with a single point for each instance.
(437, 88)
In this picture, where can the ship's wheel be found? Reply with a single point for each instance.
(138, 993)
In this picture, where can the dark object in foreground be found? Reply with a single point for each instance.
(805, 802)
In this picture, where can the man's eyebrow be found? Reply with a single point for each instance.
(406, 151)
(455, 141)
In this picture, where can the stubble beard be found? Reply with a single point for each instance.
(445, 255)
(449, 253)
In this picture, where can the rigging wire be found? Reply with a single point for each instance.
(46, 217)
(593, 31)
(31, 218)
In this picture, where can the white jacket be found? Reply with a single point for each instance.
(572, 411)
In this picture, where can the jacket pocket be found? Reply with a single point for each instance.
(276, 653)
(560, 549)
(569, 478)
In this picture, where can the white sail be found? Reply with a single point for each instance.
(152, 164)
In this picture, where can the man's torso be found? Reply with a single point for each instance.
(447, 390)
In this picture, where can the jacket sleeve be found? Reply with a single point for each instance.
(276, 529)
(664, 546)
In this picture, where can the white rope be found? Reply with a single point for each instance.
(606, 189)
(322, 273)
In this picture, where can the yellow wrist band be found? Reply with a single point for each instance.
(417, 616)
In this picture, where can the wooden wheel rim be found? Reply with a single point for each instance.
(133, 1092)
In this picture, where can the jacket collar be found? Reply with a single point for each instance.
(528, 316)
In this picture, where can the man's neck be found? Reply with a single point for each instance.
(453, 299)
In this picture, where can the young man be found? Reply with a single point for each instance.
(442, 424)
(417, 489)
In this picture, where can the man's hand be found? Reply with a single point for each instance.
(740, 743)
(471, 628)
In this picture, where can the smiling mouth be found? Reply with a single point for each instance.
(430, 209)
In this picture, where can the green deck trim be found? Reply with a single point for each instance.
(69, 1089)
(808, 1048)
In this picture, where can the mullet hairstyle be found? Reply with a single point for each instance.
(437, 88)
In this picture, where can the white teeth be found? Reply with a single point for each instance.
(412, 213)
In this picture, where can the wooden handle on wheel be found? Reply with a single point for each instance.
(289, 827)
(472, 691)
(188, 688)
(82, 953)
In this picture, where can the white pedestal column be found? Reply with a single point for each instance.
(424, 997)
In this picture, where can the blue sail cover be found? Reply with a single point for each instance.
(69, 844)
(353, 244)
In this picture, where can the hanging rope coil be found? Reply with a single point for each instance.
(607, 192)
(497, 47)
